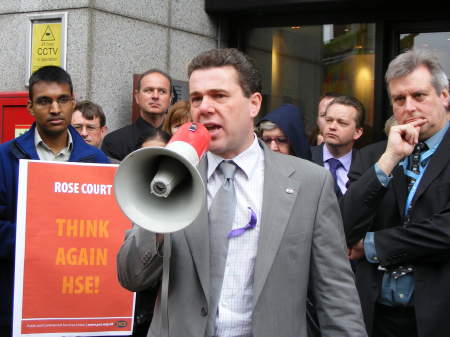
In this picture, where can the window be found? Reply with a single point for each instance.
(300, 63)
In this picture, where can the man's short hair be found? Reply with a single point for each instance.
(90, 110)
(249, 77)
(152, 71)
(49, 74)
(329, 94)
(355, 103)
(405, 63)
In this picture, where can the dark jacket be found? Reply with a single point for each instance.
(290, 120)
(423, 243)
(121, 142)
(10, 153)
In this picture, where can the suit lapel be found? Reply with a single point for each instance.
(280, 193)
(317, 154)
(438, 162)
(197, 236)
(354, 152)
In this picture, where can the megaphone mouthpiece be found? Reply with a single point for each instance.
(170, 173)
(159, 188)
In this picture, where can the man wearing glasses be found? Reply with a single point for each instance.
(90, 122)
(50, 138)
(343, 126)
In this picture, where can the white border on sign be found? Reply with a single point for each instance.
(36, 18)
(20, 245)
(20, 257)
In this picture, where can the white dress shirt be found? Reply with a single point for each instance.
(234, 314)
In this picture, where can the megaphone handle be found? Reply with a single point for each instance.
(167, 249)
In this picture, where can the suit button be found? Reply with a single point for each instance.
(203, 311)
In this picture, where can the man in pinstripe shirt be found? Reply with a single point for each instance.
(286, 233)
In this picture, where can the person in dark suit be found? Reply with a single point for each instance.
(153, 95)
(396, 211)
(342, 127)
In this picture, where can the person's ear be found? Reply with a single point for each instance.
(30, 107)
(74, 102)
(136, 96)
(358, 133)
(255, 101)
(103, 131)
(444, 98)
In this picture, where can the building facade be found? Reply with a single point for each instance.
(304, 48)
(108, 42)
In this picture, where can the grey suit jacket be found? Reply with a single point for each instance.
(301, 243)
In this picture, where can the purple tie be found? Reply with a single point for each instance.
(334, 165)
(251, 224)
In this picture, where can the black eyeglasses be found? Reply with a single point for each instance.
(45, 101)
(278, 140)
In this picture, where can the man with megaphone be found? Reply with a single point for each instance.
(269, 229)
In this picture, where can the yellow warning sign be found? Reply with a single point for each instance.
(48, 34)
(46, 48)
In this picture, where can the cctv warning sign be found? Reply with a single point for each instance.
(46, 48)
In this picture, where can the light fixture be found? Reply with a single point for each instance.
(296, 27)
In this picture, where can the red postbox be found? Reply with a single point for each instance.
(14, 116)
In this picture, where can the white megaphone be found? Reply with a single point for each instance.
(160, 188)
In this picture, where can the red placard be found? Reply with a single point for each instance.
(69, 231)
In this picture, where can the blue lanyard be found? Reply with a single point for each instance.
(423, 158)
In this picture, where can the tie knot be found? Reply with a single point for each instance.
(228, 168)
(420, 147)
(334, 163)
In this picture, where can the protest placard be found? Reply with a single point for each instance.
(69, 230)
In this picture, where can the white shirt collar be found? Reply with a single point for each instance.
(246, 160)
